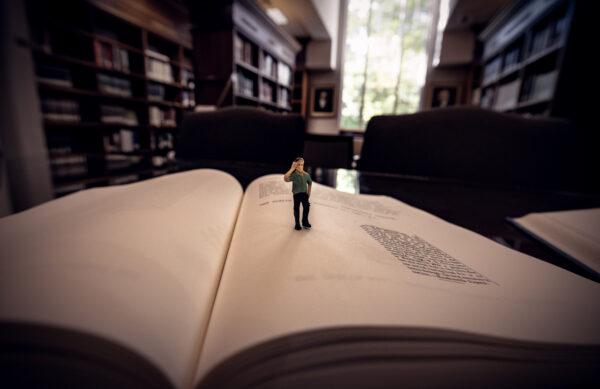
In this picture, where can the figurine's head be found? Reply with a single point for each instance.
(299, 164)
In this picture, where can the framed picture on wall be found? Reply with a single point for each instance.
(444, 95)
(323, 100)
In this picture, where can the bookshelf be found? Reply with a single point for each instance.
(525, 66)
(249, 63)
(112, 94)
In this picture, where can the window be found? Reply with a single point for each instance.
(385, 58)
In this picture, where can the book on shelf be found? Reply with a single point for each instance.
(538, 41)
(507, 95)
(116, 162)
(512, 58)
(53, 75)
(112, 114)
(162, 117)
(284, 73)
(69, 166)
(491, 70)
(111, 56)
(124, 179)
(66, 188)
(238, 48)
(487, 99)
(575, 234)
(60, 110)
(123, 140)
(161, 141)
(114, 85)
(156, 92)
(556, 30)
(185, 280)
(243, 85)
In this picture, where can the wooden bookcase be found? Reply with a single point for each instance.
(525, 62)
(250, 62)
(112, 94)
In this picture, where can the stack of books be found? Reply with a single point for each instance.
(187, 78)
(121, 162)
(283, 99)
(161, 141)
(162, 117)
(244, 85)
(54, 75)
(111, 114)
(114, 85)
(243, 50)
(111, 57)
(158, 66)
(267, 92)
(69, 166)
(123, 140)
(285, 75)
(60, 110)
(156, 92)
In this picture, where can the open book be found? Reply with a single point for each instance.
(186, 281)
(575, 234)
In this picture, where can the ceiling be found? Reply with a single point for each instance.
(469, 13)
(304, 20)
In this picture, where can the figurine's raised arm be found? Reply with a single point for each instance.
(286, 176)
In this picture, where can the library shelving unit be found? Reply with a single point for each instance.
(248, 63)
(525, 62)
(112, 94)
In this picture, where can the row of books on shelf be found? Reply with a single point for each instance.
(244, 85)
(549, 35)
(242, 50)
(269, 66)
(69, 166)
(53, 75)
(156, 92)
(112, 114)
(158, 66)
(160, 117)
(267, 92)
(123, 140)
(114, 85)
(537, 87)
(188, 99)
(284, 73)
(111, 56)
(283, 98)
(60, 110)
(187, 78)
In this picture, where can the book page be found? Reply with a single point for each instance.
(574, 233)
(137, 264)
(375, 261)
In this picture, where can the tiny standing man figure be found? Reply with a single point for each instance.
(301, 186)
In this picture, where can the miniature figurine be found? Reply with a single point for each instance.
(301, 186)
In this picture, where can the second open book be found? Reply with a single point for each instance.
(212, 286)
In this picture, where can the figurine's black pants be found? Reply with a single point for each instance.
(301, 198)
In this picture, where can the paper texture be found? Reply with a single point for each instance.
(138, 264)
(575, 233)
(371, 261)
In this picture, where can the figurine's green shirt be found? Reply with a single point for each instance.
(300, 182)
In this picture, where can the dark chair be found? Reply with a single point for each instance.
(243, 141)
(474, 144)
(241, 134)
(328, 151)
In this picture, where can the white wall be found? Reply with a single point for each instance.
(330, 126)
(323, 54)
